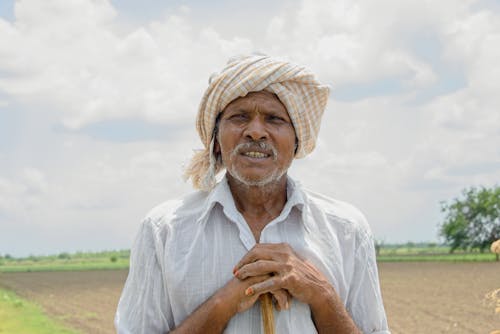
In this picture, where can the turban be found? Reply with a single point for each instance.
(296, 87)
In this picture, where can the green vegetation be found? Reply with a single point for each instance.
(473, 220)
(120, 259)
(66, 261)
(412, 252)
(20, 316)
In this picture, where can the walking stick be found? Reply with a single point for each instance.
(266, 309)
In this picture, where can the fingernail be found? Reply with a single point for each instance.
(235, 272)
(249, 291)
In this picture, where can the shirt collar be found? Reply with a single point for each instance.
(222, 194)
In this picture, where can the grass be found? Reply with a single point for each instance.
(26, 267)
(20, 316)
(465, 257)
(410, 253)
(65, 261)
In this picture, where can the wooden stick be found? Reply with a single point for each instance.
(266, 309)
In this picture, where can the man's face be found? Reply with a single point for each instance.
(256, 139)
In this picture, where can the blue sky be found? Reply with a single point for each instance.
(98, 99)
(7, 10)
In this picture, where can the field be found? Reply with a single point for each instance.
(410, 252)
(21, 316)
(420, 297)
(440, 297)
(83, 300)
(65, 261)
(430, 252)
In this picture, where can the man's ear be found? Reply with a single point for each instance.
(217, 150)
(216, 147)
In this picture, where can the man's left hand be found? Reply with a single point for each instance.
(288, 271)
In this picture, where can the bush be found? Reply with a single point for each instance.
(113, 258)
(33, 258)
(64, 256)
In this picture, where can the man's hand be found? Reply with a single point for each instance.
(214, 314)
(274, 268)
(286, 271)
(234, 293)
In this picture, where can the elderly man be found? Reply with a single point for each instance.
(200, 264)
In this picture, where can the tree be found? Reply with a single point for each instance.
(472, 220)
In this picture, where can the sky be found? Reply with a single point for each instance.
(98, 101)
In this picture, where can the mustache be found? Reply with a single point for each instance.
(257, 146)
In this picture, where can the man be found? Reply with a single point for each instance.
(200, 264)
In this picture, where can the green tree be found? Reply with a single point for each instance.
(472, 220)
(64, 256)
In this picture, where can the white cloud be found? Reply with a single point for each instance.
(395, 154)
(23, 193)
(349, 41)
(71, 56)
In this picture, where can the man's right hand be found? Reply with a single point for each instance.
(213, 315)
(233, 293)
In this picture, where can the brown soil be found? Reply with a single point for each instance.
(84, 300)
(425, 298)
(419, 298)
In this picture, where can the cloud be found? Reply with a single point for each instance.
(90, 71)
(356, 39)
(24, 193)
(413, 117)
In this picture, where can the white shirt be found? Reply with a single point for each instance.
(186, 250)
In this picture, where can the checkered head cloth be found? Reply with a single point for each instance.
(302, 95)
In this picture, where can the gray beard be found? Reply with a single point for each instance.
(265, 181)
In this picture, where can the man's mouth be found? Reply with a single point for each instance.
(255, 150)
(254, 154)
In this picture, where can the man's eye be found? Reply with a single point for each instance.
(238, 117)
(276, 119)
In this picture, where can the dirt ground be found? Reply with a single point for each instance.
(419, 297)
(84, 300)
(424, 298)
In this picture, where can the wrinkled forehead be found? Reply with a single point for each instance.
(258, 101)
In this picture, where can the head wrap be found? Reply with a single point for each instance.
(302, 95)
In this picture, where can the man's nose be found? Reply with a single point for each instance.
(256, 129)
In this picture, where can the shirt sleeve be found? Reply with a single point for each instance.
(364, 301)
(144, 305)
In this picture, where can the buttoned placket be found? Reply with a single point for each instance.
(266, 236)
(222, 195)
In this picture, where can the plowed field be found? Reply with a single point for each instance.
(429, 298)
(84, 300)
(420, 298)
